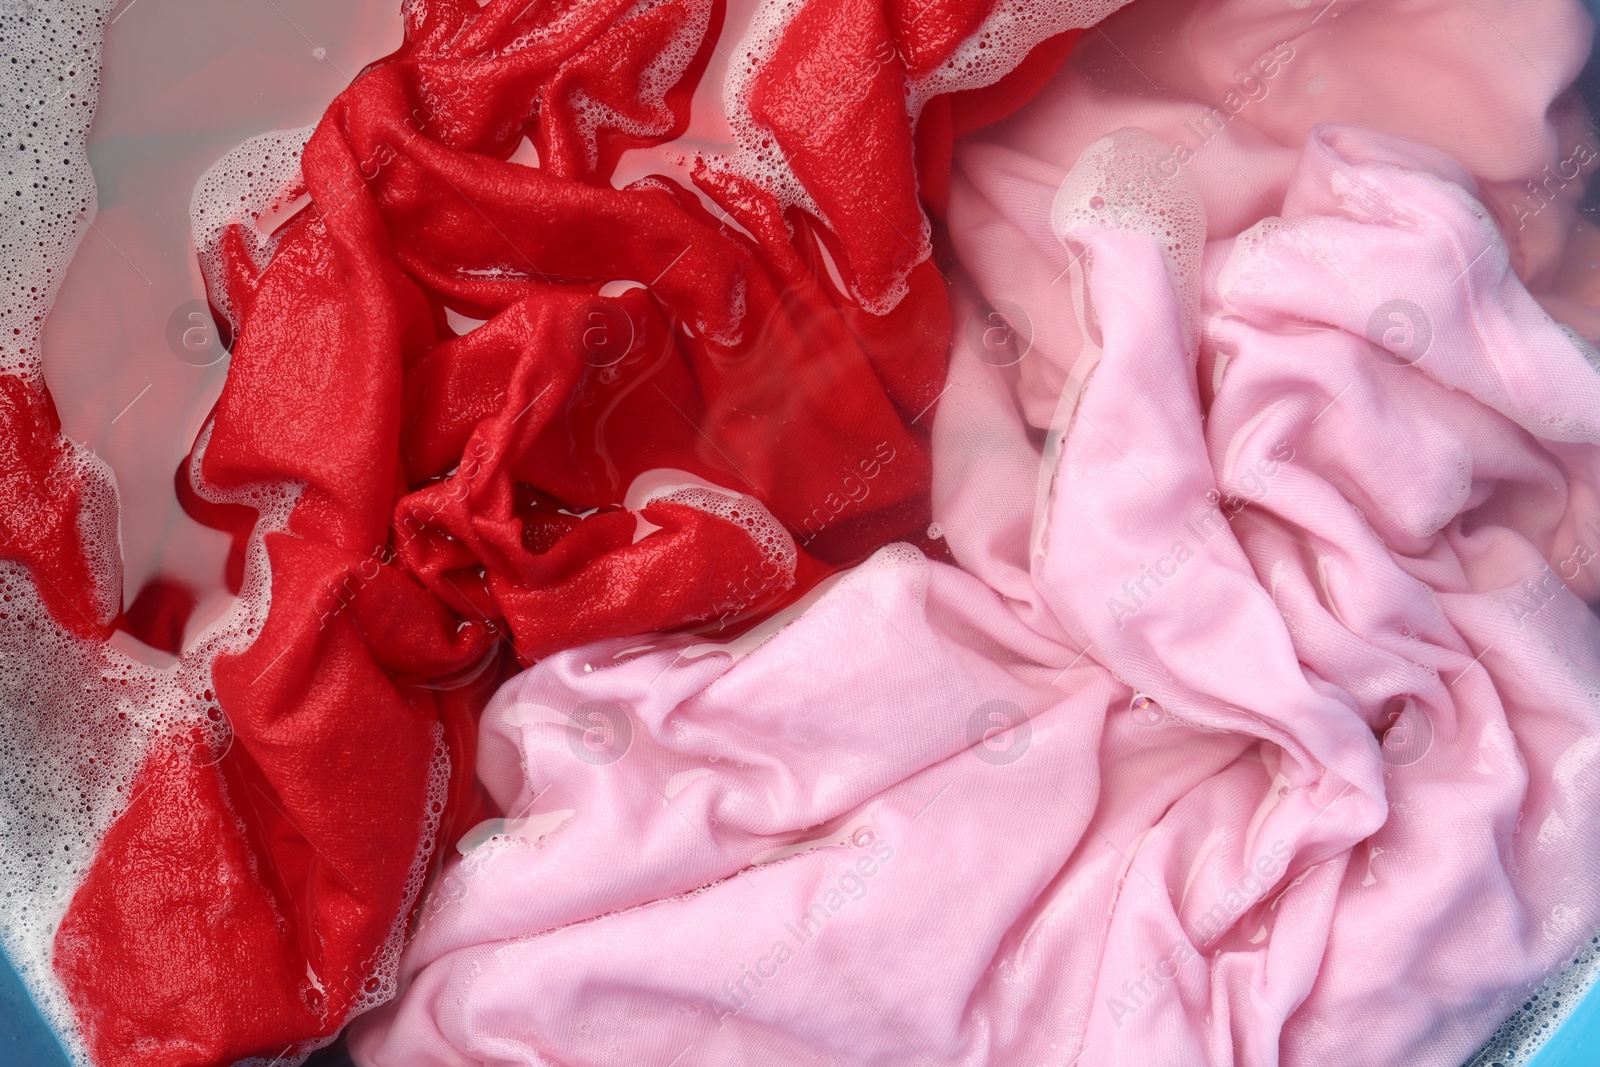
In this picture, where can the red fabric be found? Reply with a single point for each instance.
(42, 495)
(177, 855)
(462, 494)
(159, 613)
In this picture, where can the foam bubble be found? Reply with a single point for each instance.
(81, 717)
(59, 788)
(757, 157)
(748, 513)
(47, 99)
(1117, 185)
(382, 972)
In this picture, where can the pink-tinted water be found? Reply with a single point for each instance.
(184, 81)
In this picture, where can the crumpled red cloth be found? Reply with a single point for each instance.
(460, 492)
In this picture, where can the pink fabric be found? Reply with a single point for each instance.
(1287, 626)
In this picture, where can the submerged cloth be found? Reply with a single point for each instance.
(678, 407)
(1258, 726)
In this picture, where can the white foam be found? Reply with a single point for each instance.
(48, 92)
(658, 76)
(1116, 185)
(757, 157)
(748, 513)
(1005, 37)
(97, 521)
(777, 547)
(661, 481)
(383, 970)
(59, 789)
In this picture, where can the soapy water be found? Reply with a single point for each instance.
(133, 401)
(1519, 1039)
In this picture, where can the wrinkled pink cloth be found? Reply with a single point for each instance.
(1260, 724)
